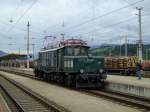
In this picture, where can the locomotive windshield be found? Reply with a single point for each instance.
(76, 51)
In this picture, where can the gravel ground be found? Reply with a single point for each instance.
(72, 100)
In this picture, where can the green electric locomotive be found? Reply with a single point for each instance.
(69, 63)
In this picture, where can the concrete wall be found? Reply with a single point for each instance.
(130, 89)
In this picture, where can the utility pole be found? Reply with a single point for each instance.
(140, 34)
(63, 37)
(120, 47)
(110, 52)
(110, 48)
(126, 46)
(137, 50)
(33, 51)
(28, 25)
(19, 51)
(63, 34)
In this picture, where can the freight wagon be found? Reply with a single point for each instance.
(146, 65)
(121, 65)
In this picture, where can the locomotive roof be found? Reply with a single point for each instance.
(69, 42)
(75, 42)
(56, 48)
(52, 49)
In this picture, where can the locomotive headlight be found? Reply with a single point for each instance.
(101, 70)
(81, 71)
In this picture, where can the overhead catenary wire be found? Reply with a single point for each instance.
(108, 26)
(114, 25)
(131, 4)
(111, 25)
(103, 15)
(22, 29)
(56, 25)
(40, 35)
(25, 12)
(14, 11)
(137, 2)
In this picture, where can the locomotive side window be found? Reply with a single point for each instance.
(68, 63)
(84, 51)
(52, 59)
(76, 51)
(55, 59)
(71, 63)
(44, 60)
(49, 57)
(65, 64)
(69, 51)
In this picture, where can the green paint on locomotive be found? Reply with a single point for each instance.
(87, 64)
(61, 61)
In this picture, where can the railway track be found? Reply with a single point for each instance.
(21, 99)
(139, 102)
(134, 101)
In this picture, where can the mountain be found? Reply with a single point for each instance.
(114, 50)
(2, 53)
(103, 45)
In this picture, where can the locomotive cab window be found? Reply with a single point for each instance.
(84, 51)
(76, 51)
(69, 51)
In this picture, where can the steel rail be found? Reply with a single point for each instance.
(135, 101)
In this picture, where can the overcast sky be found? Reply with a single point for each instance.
(96, 21)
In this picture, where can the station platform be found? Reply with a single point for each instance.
(19, 70)
(129, 85)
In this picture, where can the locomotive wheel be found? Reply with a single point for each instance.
(76, 77)
(45, 76)
(41, 74)
(68, 81)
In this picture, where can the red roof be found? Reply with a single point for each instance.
(74, 42)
